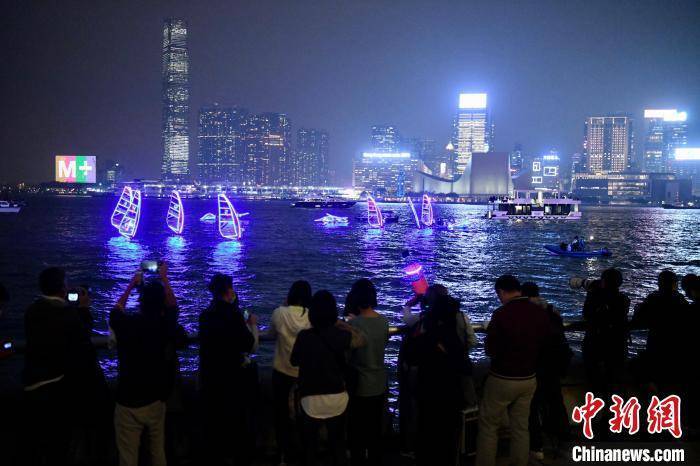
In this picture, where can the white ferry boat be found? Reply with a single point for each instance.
(535, 205)
(9, 207)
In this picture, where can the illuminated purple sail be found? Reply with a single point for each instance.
(129, 223)
(229, 223)
(175, 218)
(374, 214)
(121, 207)
(426, 212)
(413, 211)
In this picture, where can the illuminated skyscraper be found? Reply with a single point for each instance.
(385, 138)
(389, 173)
(267, 145)
(221, 149)
(516, 160)
(546, 171)
(608, 144)
(666, 131)
(176, 100)
(472, 129)
(310, 163)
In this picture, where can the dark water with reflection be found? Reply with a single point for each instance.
(281, 244)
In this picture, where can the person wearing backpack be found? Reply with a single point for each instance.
(547, 410)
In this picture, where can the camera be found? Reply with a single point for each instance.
(73, 296)
(149, 266)
(578, 283)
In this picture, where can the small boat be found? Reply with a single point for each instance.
(324, 204)
(687, 206)
(557, 250)
(7, 207)
(208, 217)
(390, 216)
(329, 219)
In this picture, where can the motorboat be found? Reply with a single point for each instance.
(328, 203)
(523, 206)
(8, 207)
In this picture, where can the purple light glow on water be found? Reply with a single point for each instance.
(284, 244)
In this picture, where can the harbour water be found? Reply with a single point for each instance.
(281, 244)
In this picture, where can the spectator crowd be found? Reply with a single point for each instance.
(329, 378)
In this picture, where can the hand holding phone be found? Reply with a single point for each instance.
(149, 266)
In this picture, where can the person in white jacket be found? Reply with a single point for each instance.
(286, 323)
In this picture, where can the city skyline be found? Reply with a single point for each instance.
(107, 104)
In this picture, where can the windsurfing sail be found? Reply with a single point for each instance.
(426, 212)
(122, 206)
(413, 211)
(130, 221)
(208, 217)
(374, 214)
(229, 223)
(175, 218)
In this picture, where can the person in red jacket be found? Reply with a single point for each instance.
(516, 335)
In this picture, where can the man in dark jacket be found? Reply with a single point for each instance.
(662, 312)
(61, 373)
(515, 337)
(228, 380)
(146, 342)
(605, 342)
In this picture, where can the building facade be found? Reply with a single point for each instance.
(686, 164)
(517, 162)
(386, 173)
(221, 156)
(546, 171)
(176, 100)
(666, 130)
(608, 144)
(310, 162)
(267, 149)
(385, 138)
(472, 129)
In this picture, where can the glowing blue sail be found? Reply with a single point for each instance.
(374, 214)
(426, 212)
(130, 221)
(208, 217)
(413, 210)
(229, 223)
(122, 206)
(175, 218)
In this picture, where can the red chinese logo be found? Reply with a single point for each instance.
(662, 415)
(625, 415)
(587, 412)
(665, 415)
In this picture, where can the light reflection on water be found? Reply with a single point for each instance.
(281, 244)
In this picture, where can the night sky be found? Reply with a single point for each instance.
(85, 77)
